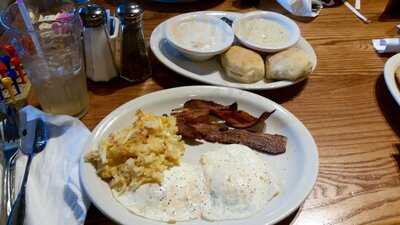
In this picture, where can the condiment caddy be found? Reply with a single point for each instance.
(115, 45)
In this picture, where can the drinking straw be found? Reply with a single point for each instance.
(28, 24)
(356, 12)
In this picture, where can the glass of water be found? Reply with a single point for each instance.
(51, 52)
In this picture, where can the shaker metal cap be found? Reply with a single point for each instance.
(129, 12)
(92, 15)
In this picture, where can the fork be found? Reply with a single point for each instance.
(20, 126)
(10, 136)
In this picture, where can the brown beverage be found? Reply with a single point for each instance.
(392, 10)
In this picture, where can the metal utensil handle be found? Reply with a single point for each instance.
(8, 193)
(18, 120)
(8, 189)
(6, 197)
(11, 184)
(17, 214)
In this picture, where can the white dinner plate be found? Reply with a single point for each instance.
(390, 67)
(296, 170)
(210, 72)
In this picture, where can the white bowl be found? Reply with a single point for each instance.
(285, 22)
(389, 74)
(185, 38)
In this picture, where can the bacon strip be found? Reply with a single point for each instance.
(230, 114)
(196, 121)
(269, 143)
(242, 120)
(203, 104)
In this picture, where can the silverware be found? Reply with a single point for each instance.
(34, 142)
(22, 132)
(11, 133)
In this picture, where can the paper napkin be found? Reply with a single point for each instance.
(54, 194)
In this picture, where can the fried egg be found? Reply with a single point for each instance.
(238, 183)
(232, 182)
(180, 196)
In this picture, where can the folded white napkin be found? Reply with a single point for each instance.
(54, 194)
(307, 8)
(387, 45)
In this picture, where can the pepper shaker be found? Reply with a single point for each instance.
(131, 50)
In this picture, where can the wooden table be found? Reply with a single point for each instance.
(345, 104)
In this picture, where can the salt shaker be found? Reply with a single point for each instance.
(132, 52)
(99, 59)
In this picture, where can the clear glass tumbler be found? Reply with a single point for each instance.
(51, 52)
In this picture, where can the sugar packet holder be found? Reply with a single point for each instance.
(387, 45)
(305, 8)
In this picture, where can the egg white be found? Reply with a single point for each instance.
(238, 181)
(180, 197)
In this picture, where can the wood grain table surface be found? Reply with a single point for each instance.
(344, 103)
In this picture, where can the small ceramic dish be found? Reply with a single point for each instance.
(389, 74)
(199, 37)
(266, 31)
